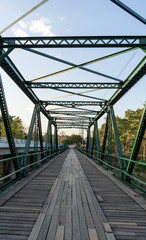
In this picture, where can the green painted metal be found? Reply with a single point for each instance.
(81, 66)
(129, 10)
(116, 133)
(97, 142)
(48, 142)
(109, 139)
(40, 135)
(131, 80)
(74, 113)
(4, 54)
(80, 94)
(104, 139)
(8, 66)
(76, 118)
(7, 124)
(137, 142)
(55, 140)
(29, 136)
(74, 103)
(88, 149)
(72, 42)
(68, 127)
(88, 85)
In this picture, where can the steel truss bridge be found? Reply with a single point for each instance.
(72, 189)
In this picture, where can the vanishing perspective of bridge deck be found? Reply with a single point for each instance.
(53, 192)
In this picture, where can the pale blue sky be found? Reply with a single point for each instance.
(63, 18)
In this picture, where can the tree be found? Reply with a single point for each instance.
(73, 139)
(17, 128)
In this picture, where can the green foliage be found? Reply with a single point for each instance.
(127, 128)
(73, 139)
(17, 128)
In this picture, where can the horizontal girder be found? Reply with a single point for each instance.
(72, 42)
(104, 85)
(74, 103)
(78, 127)
(72, 118)
(74, 113)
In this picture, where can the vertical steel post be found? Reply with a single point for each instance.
(93, 142)
(104, 139)
(118, 143)
(55, 145)
(137, 142)
(40, 135)
(6, 119)
(109, 139)
(29, 136)
(97, 142)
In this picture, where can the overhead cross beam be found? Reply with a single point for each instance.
(74, 113)
(73, 42)
(73, 103)
(54, 85)
(72, 118)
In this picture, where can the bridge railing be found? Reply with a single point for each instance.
(33, 161)
(111, 163)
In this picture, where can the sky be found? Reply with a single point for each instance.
(72, 18)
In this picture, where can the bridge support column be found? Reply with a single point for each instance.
(48, 143)
(34, 122)
(109, 139)
(55, 140)
(7, 124)
(96, 143)
(118, 143)
(137, 143)
(104, 139)
(88, 148)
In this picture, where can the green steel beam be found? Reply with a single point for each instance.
(138, 141)
(80, 94)
(88, 148)
(73, 103)
(116, 133)
(8, 66)
(81, 66)
(49, 137)
(88, 85)
(129, 10)
(132, 79)
(7, 124)
(72, 118)
(104, 139)
(74, 113)
(4, 54)
(67, 127)
(109, 139)
(40, 134)
(29, 136)
(97, 142)
(72, 42)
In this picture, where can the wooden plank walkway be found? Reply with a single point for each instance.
(71, 199)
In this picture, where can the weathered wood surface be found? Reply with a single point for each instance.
(123, 208)
(71, 199)
(20, 208)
